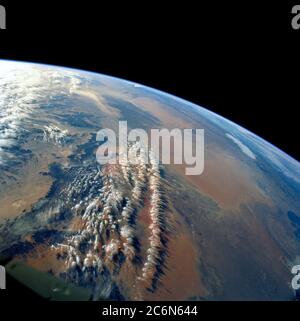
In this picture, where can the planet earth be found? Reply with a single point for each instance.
(72, 228)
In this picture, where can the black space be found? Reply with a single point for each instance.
(237, 60)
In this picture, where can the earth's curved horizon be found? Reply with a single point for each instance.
(138, 232)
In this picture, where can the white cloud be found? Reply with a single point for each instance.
(24, 88)
(246, 150)
(137, 85)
